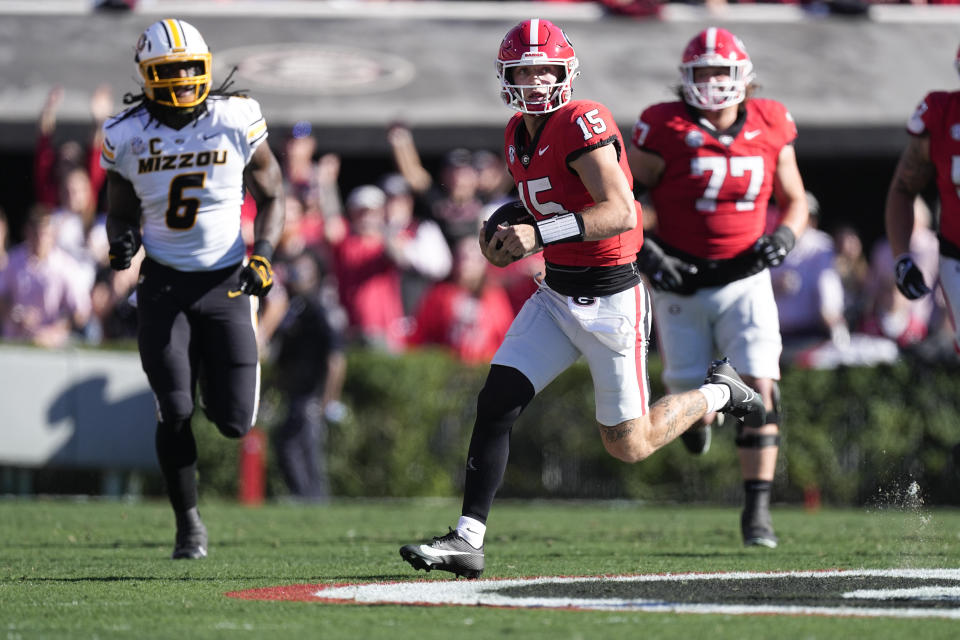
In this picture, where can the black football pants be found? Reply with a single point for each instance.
(191, 328)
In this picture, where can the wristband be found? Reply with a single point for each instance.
(563, 228)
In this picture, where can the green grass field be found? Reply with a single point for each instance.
(75, 569)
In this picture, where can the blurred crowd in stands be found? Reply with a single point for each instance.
(652, 8)
(395, 264)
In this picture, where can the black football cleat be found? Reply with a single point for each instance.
(745, 404)
(757, 529)
(446, 553)
(191, 541)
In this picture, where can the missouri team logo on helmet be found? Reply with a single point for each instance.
(174, 64)
(715, 47)
(536, 42)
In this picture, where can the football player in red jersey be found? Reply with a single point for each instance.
(933, 151)
(568, 162)
(711, 162)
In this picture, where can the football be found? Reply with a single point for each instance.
(508, 214)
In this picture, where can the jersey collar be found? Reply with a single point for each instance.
(726, 137)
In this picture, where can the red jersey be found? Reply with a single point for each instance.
(939, 117)
(711, 200)
(369, 286)
(549, 187)
(472, 327)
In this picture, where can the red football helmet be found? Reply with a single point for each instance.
(715, 47)
(536, 42)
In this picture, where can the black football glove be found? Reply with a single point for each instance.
(666, 272)
(256, 278)
(910, 278)
(123, 248)
(774, 247)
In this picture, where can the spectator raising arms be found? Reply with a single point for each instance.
(453, 200)
(416, 245)
(52, 163)
(367, 274)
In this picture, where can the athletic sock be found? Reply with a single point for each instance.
(717, 395)
(471, 530)
(757, 495)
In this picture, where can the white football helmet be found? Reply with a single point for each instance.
(163, 51)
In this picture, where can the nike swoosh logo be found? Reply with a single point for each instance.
(212, 135)
(234, 293)
(739, 385)
(427, 551)
(542, 150)
(750, 135)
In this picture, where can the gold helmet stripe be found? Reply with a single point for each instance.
(174, 30)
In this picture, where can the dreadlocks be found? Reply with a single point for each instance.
(163, 114)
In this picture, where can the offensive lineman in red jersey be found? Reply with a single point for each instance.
(711, 162)
(567, 160)
(932, 151)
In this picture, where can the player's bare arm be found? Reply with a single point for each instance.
(124, 210)
(647, 168)
(263, 177)
(913, 173)
(123, 205)
(789, 191)
(614, 212)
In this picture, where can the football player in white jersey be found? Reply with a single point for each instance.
(178, 161)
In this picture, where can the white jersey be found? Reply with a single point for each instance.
(189, 181)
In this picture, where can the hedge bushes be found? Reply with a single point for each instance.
(857, 436)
